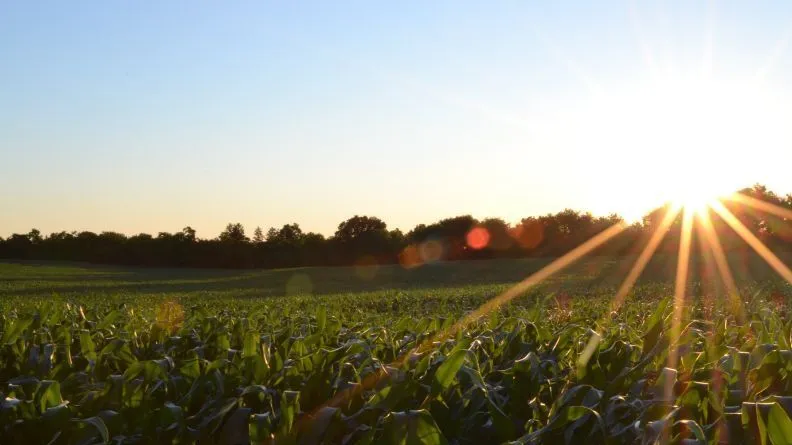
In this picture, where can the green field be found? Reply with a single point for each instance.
(23, 282)
(462, 285)
(95, 354)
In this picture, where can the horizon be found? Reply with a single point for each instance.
(147, 117)
(405, 230)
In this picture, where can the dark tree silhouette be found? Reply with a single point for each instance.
(366, 239)
(258, 235)
(189, 234)
(363, 236)
(234, 233)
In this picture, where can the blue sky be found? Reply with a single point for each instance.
(150, 116)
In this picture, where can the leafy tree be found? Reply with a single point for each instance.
(18, 246)
(189, 234)
(289, 234)
(233, 233)
(314, 249)
(529, 233)
(500, 237)
(396, 237)
(34, 236)
(113, 237)
(312, 238)
(361, 236)
(359, 227)
(450, 232)
(258, 235)
(765, 226)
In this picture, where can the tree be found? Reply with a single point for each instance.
(189, 234)
(363, 236)
(396, 237)
(18, 246)
(359, 227)
(289, 234)
(312, 238)
(34, 236)
(417, 234)
(453, 232)
(233, 233)
(766, 226)
(258, 235)
(313, 249)
(529, 233)
(499, 233)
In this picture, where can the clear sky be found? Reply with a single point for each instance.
(145, 116)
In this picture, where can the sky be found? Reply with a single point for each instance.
(143, 116)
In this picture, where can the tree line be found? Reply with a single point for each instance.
(368, 240)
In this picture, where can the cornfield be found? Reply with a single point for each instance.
(293, 372)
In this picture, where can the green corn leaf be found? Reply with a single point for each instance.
(779, 425)
(251, 343)
(87, 347)
(290, 407)
(261, 428)
(99, 427)
(48, 395)
(412, 428)
(108, 320)
(321, 319)
(14, 329)
(446, 372)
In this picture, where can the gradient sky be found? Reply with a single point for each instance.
(145, 116)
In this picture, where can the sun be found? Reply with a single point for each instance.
(687, 141)
(695, 201)
(696, 193)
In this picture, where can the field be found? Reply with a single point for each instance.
(386, 355)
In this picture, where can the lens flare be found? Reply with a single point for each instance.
(410, 257)
(478, 238)
(299, 284)
(431, 251)
(367, 267)
(170, 316)
(680, 293)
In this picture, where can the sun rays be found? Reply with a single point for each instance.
(712, 241)
(753, 241)
(680, 285)
(691, 121)
(644, 257)
(692, 218)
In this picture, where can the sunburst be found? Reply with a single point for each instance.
(684, 153)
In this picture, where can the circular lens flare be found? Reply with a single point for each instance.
(478, 238)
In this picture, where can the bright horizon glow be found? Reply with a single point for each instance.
(696, 134)
(268, 114)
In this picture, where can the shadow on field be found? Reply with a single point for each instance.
(31, 279)
(25, 280)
